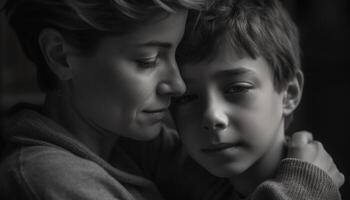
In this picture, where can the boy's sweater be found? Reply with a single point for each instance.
(43, 161)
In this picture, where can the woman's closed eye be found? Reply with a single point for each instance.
(147, 63)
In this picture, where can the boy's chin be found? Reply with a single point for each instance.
(229, 170)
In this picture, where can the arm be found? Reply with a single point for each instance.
(308, 173)
(297, 179)
(302, 146)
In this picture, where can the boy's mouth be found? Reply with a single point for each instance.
(155, 110)
(219, 147)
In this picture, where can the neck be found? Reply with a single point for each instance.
(262, 169)
(61, 109)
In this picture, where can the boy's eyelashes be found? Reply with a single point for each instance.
(238, 88)
(232, 89)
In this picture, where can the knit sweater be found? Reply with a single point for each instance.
(42, 160)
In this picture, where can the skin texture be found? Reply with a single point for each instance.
(122, 88)
(236, 117)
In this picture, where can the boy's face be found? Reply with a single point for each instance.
(231, 116)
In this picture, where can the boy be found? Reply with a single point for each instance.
(241, 65)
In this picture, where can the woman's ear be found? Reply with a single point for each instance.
(55, 51)
(292, 94)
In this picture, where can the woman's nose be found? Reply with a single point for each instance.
(172, 84)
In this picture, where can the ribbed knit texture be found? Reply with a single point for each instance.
(310, 175)
(300, 180)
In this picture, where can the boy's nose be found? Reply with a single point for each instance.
(214, 118)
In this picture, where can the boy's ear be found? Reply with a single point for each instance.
(292, 94)
(55, 51)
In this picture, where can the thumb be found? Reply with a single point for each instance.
(300, 138)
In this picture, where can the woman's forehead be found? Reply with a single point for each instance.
(165, 32)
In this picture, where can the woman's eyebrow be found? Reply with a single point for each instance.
(166, 45)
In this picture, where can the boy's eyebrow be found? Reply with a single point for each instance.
(225, 73)
(232, 72)
(153, 43)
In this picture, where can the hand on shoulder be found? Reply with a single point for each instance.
(301, 145)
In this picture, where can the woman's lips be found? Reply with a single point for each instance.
(213, 148)
(155, 115)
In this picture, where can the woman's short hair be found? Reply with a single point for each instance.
(82, 23)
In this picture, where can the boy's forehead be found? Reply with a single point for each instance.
(219, 67)
(226, 68)
(224, 57)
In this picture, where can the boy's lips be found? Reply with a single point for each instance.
(155, 110)
(219, 147)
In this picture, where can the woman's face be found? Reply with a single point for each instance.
(125, 86)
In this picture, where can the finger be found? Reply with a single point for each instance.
(341, 179)
(338, 177)
(301, 138)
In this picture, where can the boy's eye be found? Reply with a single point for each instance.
(148, 62)
(184, 99)
(238, 88)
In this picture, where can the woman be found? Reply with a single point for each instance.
(108, 70)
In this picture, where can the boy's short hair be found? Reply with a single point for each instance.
(81, 22)
(253, 27)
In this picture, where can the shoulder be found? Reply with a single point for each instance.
(44, 171)
(41, 165)
(299, 179)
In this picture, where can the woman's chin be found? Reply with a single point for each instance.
(147, 133)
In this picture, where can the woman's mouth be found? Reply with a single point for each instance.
(155, 115)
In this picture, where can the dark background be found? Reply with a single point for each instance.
(325, 108)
